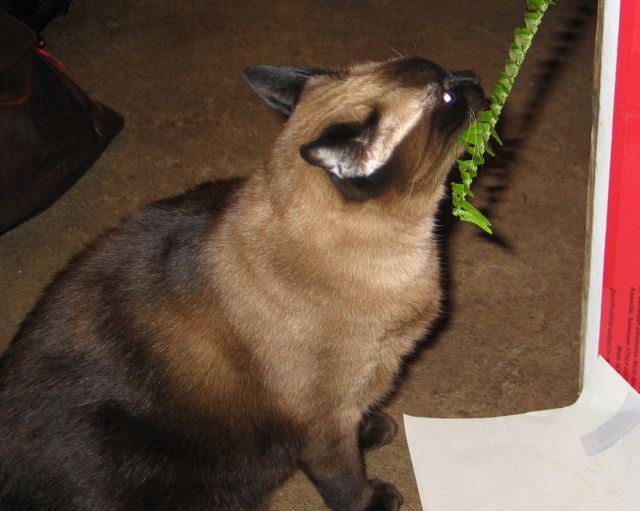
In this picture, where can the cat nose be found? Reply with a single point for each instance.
(458, 78)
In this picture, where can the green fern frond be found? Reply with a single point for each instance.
(475, 139)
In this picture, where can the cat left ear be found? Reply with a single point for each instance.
(279, 86)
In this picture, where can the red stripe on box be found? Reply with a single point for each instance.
(620, 321)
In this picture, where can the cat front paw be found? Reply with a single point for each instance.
(385, 497)
(377, 429)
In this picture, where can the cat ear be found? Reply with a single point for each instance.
(279, 86)
(344, 150)
(358, 151)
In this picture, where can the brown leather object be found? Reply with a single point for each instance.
(51, 132)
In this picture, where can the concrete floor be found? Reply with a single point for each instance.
(510, 342)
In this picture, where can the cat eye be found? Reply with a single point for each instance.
(448, 97)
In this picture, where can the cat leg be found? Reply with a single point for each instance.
(334, 464)
(376, 429)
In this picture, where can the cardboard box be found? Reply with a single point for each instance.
(612, 312)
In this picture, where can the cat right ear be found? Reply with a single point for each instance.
(346, 150)
(279, 86)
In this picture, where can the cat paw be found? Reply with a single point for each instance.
(385, 497)
(377, 429)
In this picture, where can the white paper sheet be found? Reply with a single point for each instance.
(583, 457)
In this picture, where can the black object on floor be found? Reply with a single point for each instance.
(51, 132)
(35, 13)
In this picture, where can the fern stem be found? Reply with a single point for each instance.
(475, 139)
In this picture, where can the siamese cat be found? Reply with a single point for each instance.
(194, 357)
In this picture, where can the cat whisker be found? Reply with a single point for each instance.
(394, 50)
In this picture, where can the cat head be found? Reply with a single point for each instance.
(375, 131)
